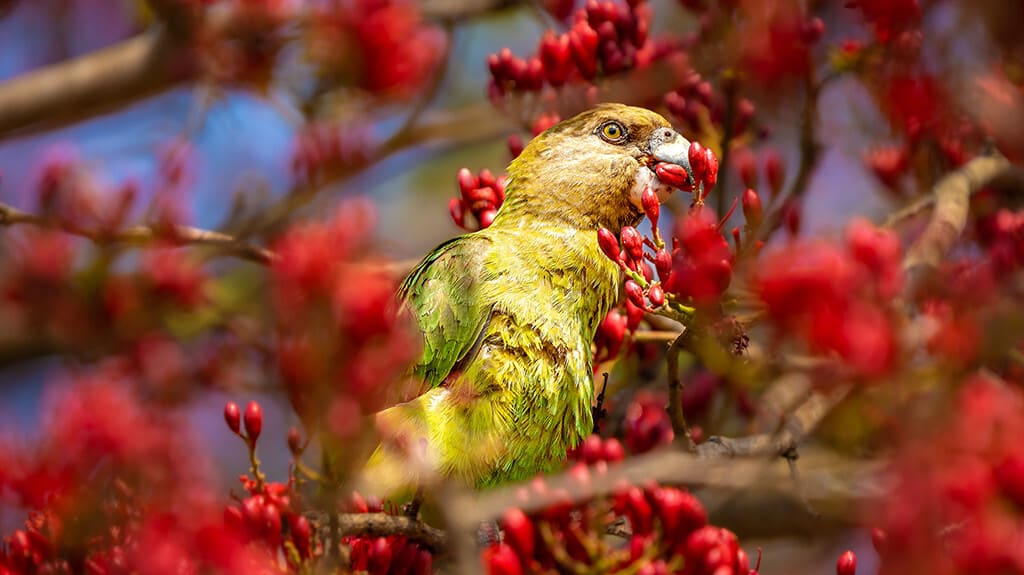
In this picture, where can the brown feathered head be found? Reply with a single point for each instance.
(591, 170)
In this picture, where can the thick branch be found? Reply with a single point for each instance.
(89, 85)
(952, 198)
(797, 425)
(146, 235)
(383, 525)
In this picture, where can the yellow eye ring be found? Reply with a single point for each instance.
(613, 132)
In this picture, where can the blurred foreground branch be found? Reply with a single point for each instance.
(147, 235)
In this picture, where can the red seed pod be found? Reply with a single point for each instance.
(632, 243)
(483, 195)
(673, 175)
(652, 207)
(424, 563)
(467, 181)
(500, 559)
(232, 416)
(612, 450)
(847, 564)
(556, 56)
(773, 171)
(656, 295)
(812, 30)
(252, 511)
(583, 42)
(486, 217)
(609, 244)
(380, 555)
(752, 209)
(302, 534)
(663, 263)
(635, 293)
(271, 525)
(515, 145)
(486, 179)
(633, 504)
(253, 420)
(456, 209)
(590, 449)
(710, 170)
(879, 540)
(634, 315)
(698, 161)
(294, 441)
(791, 216)
(519, 532)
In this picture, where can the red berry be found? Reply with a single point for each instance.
(656, 295)
(608, 243)
(232, 416)
(663, 263)
(774, 171)
(253, 420)
(457, 210)
(652, 207)
(633, 243)
(698, 161)
(635, 293)
(294, 441)
(519, 532)
(847, 564)
(752, 208)
(502, 560)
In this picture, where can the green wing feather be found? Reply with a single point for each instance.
(443, 295)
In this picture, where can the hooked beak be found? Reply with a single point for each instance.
(669, 146)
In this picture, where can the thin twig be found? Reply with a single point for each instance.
(675, 392)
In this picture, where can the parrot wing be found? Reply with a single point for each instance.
(443, 295)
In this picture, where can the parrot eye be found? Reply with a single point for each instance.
(612, 132)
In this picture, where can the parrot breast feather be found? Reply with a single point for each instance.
(443, 295)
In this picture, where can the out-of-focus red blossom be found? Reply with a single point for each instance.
(341, 337)
(325, 150)
(382, 46)
(915, 103)
(835, 299)
(174, 275)
(647, 424)
(773, 43)
(480, 195)
(119, 484)
(888, 164)
(610, 336)
(696, 101)
(888, 17)
(702, 262)
(967, 474)
(595, 449)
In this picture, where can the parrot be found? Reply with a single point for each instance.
(508, 313)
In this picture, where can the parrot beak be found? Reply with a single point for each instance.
(668, 168)
(670, 147)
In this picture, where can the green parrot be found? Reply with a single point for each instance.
(508, 313)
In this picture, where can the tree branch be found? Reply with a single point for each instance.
(147, 235)
(90, 85)
(383, 525)
(675, 391)
(951, 198)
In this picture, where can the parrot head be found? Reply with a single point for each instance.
(591, 170)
